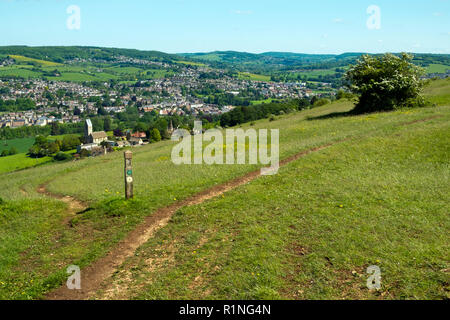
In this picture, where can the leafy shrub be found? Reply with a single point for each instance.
(386, 83)
(341, 94)
(61, 156)
(85, 153)
(70, 143)
(321, 102)
(251, 113)
(155, 135)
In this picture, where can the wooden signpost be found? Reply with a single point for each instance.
(128, 155)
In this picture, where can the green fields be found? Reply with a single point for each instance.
(20, 161)
(191, 63)
(80, 72)
(437, 68)
(253, 77)
(22, 145)
(41, 62)
(378, 195)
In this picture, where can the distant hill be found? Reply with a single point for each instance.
(279, 61)
(280, 65)
(61, 54)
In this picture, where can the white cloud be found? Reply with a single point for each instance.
(338, 20)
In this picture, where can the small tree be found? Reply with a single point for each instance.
(107, 124)
(155, 135)
(53, 147)
(385, 83)
(118, 133)
(55, 131)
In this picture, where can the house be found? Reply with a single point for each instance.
(135, 141)
(122, 144)
(87, 147)
(18, 123)
(141, 135)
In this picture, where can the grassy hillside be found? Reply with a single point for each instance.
(37, 61)
(311, 231)
(60, 54)
(284, 61)
(253, 77)
(20, 161)
(82, 72)
(438, 92)
(375, 197)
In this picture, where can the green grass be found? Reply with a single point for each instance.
(22, 145)
(437, 68)
(311, 231)
(82, 72)
(240, 245)
(24, 225)
(253, 77)
(257, 102)
(22, 59)
(438, 92)
(190, 63)
(19, 71)
(124, 70)
(20, 161)
(62, 136)
(75, 77)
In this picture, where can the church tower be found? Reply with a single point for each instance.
(87, 129)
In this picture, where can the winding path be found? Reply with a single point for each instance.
(94, 275)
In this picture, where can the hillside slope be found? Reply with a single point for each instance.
(392, 167)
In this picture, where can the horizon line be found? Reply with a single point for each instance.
(215, 51)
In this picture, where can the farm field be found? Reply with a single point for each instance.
(22, 59)
(253, 77)
(19, 71)
(191, 63)
(372, 185)
(21, 161)
(437, 68)
(80, 72)
(22, 145)
(256, 102)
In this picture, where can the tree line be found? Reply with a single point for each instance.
(241, 115)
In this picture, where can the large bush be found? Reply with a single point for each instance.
(385, 83)
(61, 156)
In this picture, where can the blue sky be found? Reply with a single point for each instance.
(317, 26)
